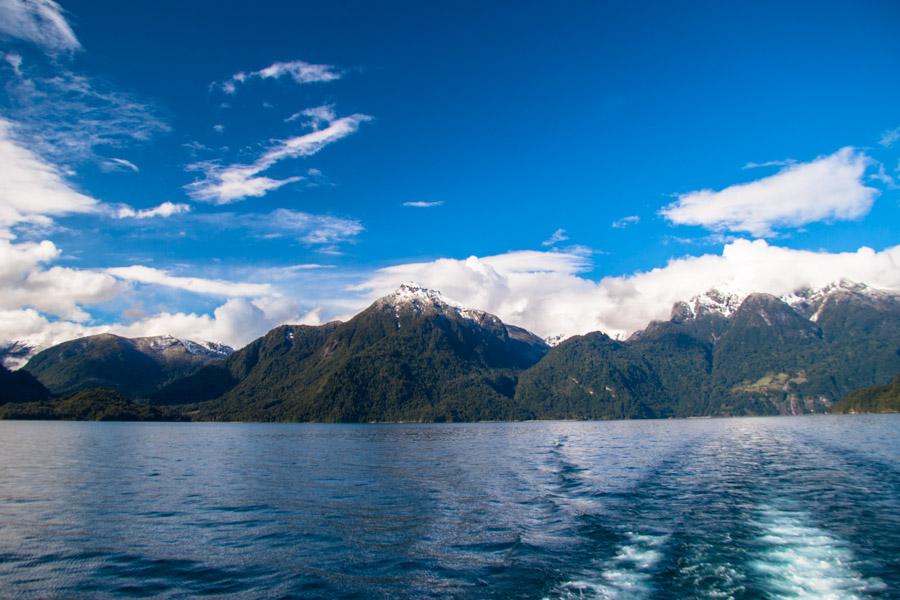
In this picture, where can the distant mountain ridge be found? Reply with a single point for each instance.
(413, 355)
(725, 354)
(132, 366)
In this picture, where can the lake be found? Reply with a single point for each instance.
(805, 507)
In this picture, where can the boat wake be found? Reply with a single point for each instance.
(628, 575)
(800, 560)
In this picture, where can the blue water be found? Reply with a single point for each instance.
(727, 508)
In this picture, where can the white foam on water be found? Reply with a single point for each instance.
(803, 561)
(627, 576)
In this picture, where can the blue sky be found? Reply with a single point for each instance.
(567, 147)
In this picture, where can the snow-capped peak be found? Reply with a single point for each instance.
(713, 301)
(807, 301)
(556, 340)
(419, 299)
(810, 301)
(412, 294)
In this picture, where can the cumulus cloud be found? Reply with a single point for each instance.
(166, 209)
(31, 189)
(547, 292)
(626, 221)
(227, 184)
(558, 236)
(27, 282)
(236, 322)
(299, 71)
(826, 189)
(423, 203)
(40, 22)
(197, 285)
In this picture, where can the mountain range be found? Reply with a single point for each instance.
(415, 356)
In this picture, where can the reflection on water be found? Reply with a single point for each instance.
(743, 508)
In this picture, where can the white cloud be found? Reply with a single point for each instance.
(770, 163)
(558, 236)
(825, 189)
(324, 232)
(423, 204)
(314, 229)
(546, 293)
(885, 178)
(119, 164)
(68, 117)
(166, 209)
(197, 285)
(626, 221)
(889, 137)
(38, 21)
(31, 189)
(317, 115)
(224, 185)
(14, 60)
(60, 291)
(300, 71)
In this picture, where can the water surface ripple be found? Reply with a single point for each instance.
(741, 508)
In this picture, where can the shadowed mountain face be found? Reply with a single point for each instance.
(20, 386)
(721, 355)
(874, 399)
(135, 367)
(410, 356)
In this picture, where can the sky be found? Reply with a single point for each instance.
(212, 169)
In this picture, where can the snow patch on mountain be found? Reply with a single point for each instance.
(168, 343)
(807, 301)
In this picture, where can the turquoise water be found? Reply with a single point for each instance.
(724, 508)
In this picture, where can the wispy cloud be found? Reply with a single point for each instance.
(770, 163)
(197, 285)
(227, 184)
(885, 178)
(14, 60)
(827, 188)
(166, 209)
(423, 203)
(322, 232)
(889, 137)
(558, 236)
(119, 164)
(40, 22)
(71, 118)
(299, 71)
(626, 221)
(316, 116)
